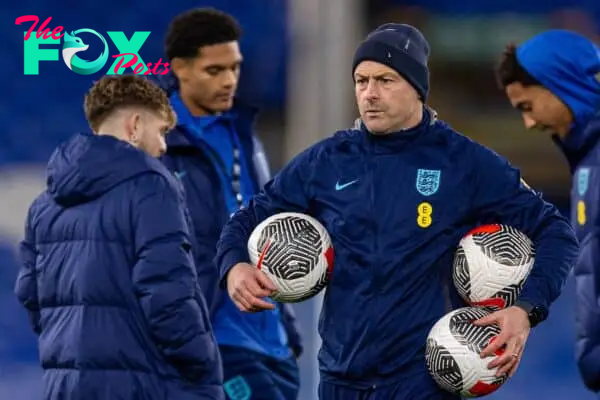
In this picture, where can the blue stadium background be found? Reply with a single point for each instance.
(39, 111)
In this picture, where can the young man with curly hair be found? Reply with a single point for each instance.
(107, 275)
(221, 164)
(553, 80)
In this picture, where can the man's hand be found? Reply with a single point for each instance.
(247, 286)
(514, 331)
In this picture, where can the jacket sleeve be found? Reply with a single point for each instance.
(501, 196)
(26, 285)
(587, 322)
(288, 191)
(165, 280)
(288, 318)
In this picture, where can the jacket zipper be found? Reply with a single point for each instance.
(374, 281)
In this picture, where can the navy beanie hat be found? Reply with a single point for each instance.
(401, 47)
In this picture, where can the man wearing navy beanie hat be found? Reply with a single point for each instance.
(393, 56)
(402, 48)
(553, 79)
(396, 194)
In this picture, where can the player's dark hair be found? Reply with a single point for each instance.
(114, 92)
(190, 31)
(509, 70)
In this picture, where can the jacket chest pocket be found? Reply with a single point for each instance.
(351, 225)
(420, 201)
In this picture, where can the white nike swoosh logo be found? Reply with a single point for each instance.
(339, 186)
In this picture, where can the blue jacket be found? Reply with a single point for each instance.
(584, 158)
(109, 282)
(208, 209)
(392, 263)
(568, 65)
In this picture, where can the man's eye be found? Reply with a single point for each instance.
(213, 71)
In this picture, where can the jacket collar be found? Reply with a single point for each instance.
(241, 113)
(579, 141)
(395, 141)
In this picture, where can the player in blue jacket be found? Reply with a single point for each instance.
(397, 195)
(553, 79)
(107, 275)
(221, 164)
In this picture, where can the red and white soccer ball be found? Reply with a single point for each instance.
(491, 265)
(452, 353)
(294, 250)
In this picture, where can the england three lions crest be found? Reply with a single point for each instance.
(428, 181)
(583, 178)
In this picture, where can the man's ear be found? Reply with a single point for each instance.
(181, 68)
(133, 128)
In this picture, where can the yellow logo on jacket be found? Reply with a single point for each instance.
(424, 214)
(581, 217)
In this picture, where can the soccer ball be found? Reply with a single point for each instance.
(452, 353)
(294, 250)
(491, 265)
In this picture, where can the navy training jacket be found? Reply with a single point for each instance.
(209, 214)
(109, 282)
(582, 150)
(391, 264)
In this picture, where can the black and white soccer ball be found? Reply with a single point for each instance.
(294, 250)
(452, 353)
(491, 265)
